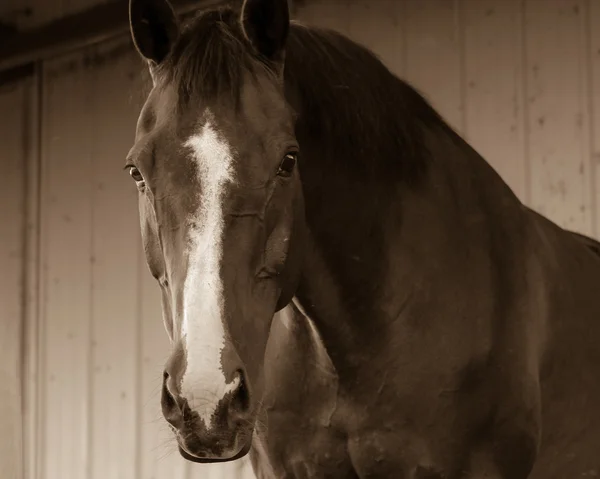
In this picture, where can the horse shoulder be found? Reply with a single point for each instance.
(301, 401)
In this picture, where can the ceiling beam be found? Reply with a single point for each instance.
(76, 31)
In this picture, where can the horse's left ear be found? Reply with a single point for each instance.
(266, 24)
(154, 28)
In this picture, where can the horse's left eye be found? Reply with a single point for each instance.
(135, 174)
(287, 165)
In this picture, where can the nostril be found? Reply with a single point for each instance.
(169, 384)
(240, 401)
(166, 384)
(171, 410)
(168, 399)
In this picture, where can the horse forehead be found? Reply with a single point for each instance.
(208, 143)
(263, 92)
(211, 152)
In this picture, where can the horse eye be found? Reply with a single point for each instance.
(287, 165)
(135, 174)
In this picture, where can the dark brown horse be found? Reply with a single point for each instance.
(429, 325)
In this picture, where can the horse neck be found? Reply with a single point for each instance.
(370, 242)
(348, 220)
(390, 191)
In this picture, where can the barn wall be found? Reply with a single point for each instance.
(518, 79)
(12, 202)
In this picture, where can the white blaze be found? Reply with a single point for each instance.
(203, 383)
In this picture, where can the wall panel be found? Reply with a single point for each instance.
(434, 55)
(493, 81)
(324, 13)
(377, 24)
(16, 110)
(115, 245)
(593, 20)
(31, 296)
(66, 270)
(380, 26)
(558, 120)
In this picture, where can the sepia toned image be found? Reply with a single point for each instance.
(295, 239)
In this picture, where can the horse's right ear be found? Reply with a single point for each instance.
(154, 28)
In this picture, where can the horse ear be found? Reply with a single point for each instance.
(154, 28)
(266, 24)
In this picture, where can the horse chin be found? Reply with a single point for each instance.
(209, 460)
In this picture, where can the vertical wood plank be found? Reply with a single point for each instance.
(375, 24)
(594, 106)
(67, 234)
(558, 115)
(12, 211)
(115, 245)
(379, 25)
(593, 27)
(324, 13)
(494, 93)
(31, 353)
(433, 55)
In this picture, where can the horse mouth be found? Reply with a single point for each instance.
(208, 460)
(225, 441)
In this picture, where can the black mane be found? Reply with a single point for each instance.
(210, 56)
(348, 99)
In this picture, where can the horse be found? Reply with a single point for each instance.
(427, 323)
(591, 243)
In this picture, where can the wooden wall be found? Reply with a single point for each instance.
(12, 201)
(519, 79)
